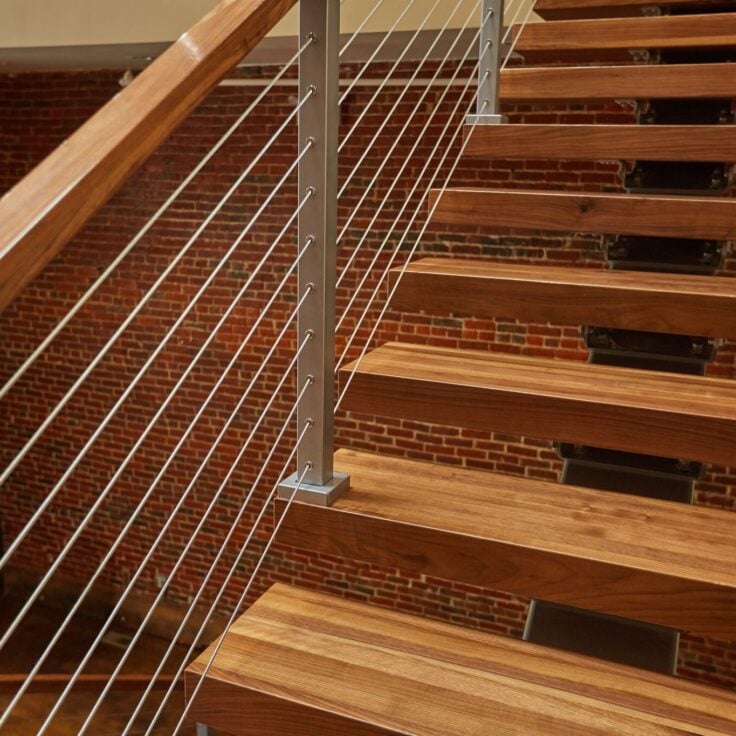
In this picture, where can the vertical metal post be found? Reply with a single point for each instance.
(319, 117)
(489, 68)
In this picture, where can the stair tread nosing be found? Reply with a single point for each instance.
(305, 662)
(709, 218)
(648, 302)
(640, 411)
(716, 143)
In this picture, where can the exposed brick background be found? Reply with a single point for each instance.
(36, 113)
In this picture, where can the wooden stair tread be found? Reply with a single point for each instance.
(604, 142)
(565, 9)
(640, 411)
(308, 663)
(589, 212)
(631, 82)
(712, 30)
(655, 561)
(649, 302)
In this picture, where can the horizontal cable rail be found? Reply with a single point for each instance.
(245, 419)
(234, 566)
(247, 588)
(89, 444)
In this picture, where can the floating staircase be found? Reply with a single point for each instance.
(639, 568)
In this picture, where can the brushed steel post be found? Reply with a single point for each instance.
(489, 67)
(319, 75)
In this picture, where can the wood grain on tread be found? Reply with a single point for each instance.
(303, 662)
(603, 142)
(667, 31)
(645, 81)
(587, 212)
(617, 408)
(650, 302)
(606, 552)
(44, 211)
(564, 9)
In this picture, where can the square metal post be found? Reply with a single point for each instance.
(489, 67)
(319, 117)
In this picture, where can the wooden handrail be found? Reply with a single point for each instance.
(9, 684)
(44, 211)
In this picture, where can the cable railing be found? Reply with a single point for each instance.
(476, 120)
(279, 434)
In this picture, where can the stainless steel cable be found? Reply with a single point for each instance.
(406, 88)
(213, 567)
(149, 293)
(270, 498)
(380, 45)
(185, 551)
(360, 28)
(379, 251)
(510, 28)
(146, 497)
(426, 224)
(370, 186)
(383, 84)
(396, 250)
(396, 141)
(153, 421)
(131, 386)
(357, 291)
(453, 14)
(236, 610)
(31, 359)
(218, 645)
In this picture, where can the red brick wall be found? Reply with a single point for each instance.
(36, 113)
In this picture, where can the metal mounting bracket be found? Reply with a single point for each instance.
(324, 495)
(486, 119)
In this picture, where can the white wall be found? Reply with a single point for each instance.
(39, 23)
